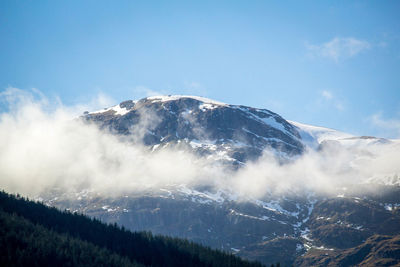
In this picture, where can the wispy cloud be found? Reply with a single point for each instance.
(143, 91)
(193, 87)
(327, 97)
(188, 88)
(390, 127)
(338, 48)
(326, 94)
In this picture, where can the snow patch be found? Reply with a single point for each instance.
(117, 109)
(234, 212)
(299, 247)
(274, 206)
(177, 97)
(202, 197)
(391, 207)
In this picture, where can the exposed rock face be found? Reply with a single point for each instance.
(242, 132)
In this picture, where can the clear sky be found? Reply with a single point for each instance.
(328, 63)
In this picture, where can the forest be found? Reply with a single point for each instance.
(33, 234)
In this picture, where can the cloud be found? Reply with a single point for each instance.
(327, 97)
(44, 146)
(141, 91)
(13, 99)
(188, 88)
(388, 127)
(338, 48)
(194, 88)
(327, 94)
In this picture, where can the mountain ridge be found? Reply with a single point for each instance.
(245, 130)
(318, 133)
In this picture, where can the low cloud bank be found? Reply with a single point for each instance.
(43, 146)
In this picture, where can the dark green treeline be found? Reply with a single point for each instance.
(32, 234)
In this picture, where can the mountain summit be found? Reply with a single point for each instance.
(238, 132)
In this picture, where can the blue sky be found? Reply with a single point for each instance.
(335, 64)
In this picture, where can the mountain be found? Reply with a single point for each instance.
(302, 224)
(238, 133)
(32, 234)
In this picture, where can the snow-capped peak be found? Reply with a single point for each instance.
(310, 133)
(117, 108)
(177, 97)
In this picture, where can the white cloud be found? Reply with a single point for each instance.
(338, 48)
(141, 91)
(14, 99)
(327, 97)
(339, 106)
(326, 94)
(42, 149)
(194, 88)
(388, 127)
(187, 88)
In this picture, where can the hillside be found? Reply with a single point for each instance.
(35, 235)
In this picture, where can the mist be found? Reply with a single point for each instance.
(43, 146)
